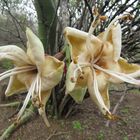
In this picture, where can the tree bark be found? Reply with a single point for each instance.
(47, 22)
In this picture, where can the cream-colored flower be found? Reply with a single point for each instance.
(95, 63)
(33, 72)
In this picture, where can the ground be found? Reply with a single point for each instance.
(86, 124)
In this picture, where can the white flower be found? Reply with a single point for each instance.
(33, 72)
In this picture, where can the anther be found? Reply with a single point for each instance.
(34, 100)
(127, 17)
(83, 72)
(41, 105)
(81, 77)
(75, 60)
(72, 79)
(103, 18)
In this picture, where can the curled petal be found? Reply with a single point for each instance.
(35, 49)
(105, 96)
(14, 53)
(51, 73)
(95, 94)
(117, 41)
(113, 36)
(42, 110)
(77, 42)
(27, 99)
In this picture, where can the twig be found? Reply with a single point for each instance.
(116, 106)
(16, 23)
(56, 134)
(89, 8)
(13, 104)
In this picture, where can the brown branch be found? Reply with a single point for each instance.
(89, 8)
(15, 21)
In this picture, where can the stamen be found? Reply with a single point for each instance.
(37, 86)
(124, 77)
(15, 71)
(72, 79)
(31, 90)
(112, 22)
(39, 91)
(91, 30)
(7, 56)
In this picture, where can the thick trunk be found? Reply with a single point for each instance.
(47, 22)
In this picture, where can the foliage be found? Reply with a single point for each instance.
(77, 125)
(6, 64)
(100, 135)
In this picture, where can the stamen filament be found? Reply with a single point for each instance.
(37, 86)
(16, 69)
(39, 90)
(13, 72)
(31, 90)
(111, 23)
(124, 77)
(91, 30)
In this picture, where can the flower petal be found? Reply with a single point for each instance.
(132, 69)
(51, 73)
(113, 35)
(117, 41)
(42, 110)
(27, 99)
(27, 78)
(35, 49)
(14, 53)
(95, 90)
(15, 86)
(105, 96)
(77, 41)
(78, 94)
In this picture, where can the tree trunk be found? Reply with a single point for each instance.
(47, 22)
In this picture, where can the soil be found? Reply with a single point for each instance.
(86, 124)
